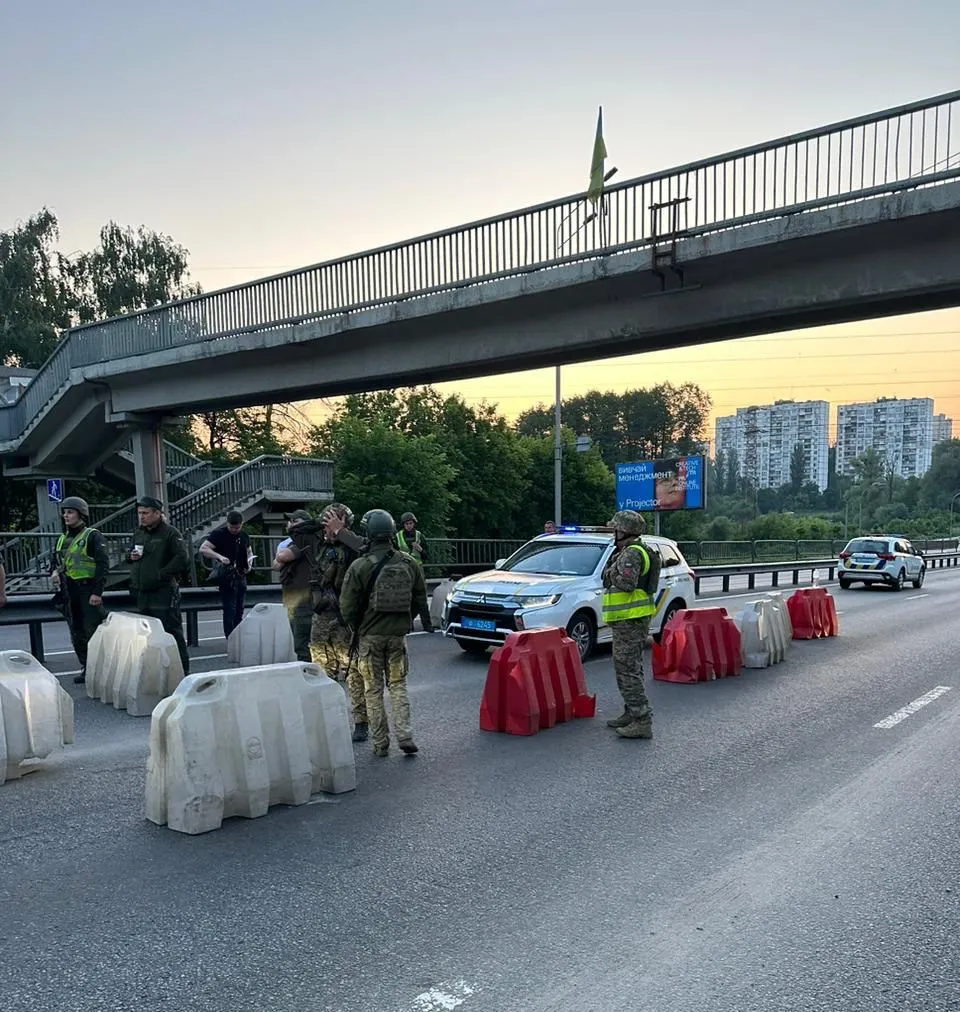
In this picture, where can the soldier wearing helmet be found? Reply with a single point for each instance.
(410, 540)
(329, 633)
(630, 580)
(381, 592)
(79, 574)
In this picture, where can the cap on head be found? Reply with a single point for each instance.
(628, 521)
(378, 525)
(299, 516)
(337, 509)
(408, 516)
(148, 502)
(74, 502)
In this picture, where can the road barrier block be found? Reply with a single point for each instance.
(235, 742)
(698, 645)
(438, 599)
(781, 614)
(813, 613)
(263, 637)
(36, 714)
(762, 637)
(535, 680)
(133, 663)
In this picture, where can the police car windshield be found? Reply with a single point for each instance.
(554, 558)
(868, 546)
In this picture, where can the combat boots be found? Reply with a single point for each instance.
(622, 721)
(639, 727)
(360, 731)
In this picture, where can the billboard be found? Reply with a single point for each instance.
(659, 486)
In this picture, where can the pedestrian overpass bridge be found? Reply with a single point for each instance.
(854, 220)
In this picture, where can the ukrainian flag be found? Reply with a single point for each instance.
(595, 189)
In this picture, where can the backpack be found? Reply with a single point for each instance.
(392, 592)
(651, 579)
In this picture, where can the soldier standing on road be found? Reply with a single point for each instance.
(296, 562)
(80, 567)
(630, 580)
(380, 594)
(330, 635)
(159, 559)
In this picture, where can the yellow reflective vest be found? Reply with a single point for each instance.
(77, 565)
(619, 605)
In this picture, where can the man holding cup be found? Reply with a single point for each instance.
(158, 560)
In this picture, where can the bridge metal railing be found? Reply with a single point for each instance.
(905, 147)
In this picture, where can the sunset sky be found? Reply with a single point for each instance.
(269, 136)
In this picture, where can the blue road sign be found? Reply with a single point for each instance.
(54, 489)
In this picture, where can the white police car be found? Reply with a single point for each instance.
(555, 581)
(881, 558)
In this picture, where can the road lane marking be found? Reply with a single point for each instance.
(437, 1000)
(910, 708)
(915, 597)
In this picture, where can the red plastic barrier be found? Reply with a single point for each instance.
(535, 680)
(813, 613)
(697, 646)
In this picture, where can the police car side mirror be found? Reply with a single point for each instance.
(499, 563)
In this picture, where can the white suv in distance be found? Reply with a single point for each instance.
(555, 580)
(881, 558)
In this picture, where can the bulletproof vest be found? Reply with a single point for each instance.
(331, 565)
(393, 590)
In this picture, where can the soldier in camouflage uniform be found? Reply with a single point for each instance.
(630, 580)
(329, 633)
(382, 591)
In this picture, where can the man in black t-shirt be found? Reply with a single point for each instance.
(229, 548)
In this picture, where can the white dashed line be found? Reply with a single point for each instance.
(910, 708)
(915, 597)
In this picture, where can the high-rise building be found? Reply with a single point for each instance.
(901, 431)
(765, 437)
(942, 429)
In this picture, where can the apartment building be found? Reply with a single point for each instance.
(901, 431)
(764, 438)
(942, 429)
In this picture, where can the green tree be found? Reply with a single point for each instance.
(942, 480)
(380, 467)
(798, 467)
(130, 270)
(35, 301)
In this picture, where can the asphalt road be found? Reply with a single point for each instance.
(771, 848)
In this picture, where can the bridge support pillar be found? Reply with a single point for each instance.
(149, 466)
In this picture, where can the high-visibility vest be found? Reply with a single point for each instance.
(404, 545)
(77, 565)
(619, 605)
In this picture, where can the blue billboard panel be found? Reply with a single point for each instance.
(659, 486)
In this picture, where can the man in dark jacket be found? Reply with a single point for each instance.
(80, 567)
(229, 548)
(158, 560)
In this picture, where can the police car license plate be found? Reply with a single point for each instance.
(486, 624)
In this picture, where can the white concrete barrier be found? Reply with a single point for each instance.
(236, 742)
(438, 599)
(132, 663)
(762, 637)
(36, 714)
(781, 614)
(263, 637)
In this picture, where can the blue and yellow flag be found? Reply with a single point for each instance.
(595, 189)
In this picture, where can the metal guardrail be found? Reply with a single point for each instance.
(35, 610)
(698, 552)
(906, 147)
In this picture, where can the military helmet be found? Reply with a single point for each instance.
(337, 509)
(378, 525)
(407, 516)
(628, 521)
(74, 502)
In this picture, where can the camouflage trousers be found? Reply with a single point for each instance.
(383, 661)
(629, 639)
(330, 648)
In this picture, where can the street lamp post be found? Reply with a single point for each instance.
(956, 496)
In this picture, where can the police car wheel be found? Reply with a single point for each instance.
(845, 584)
(900, 581)
(918, 582)
(581, 630)
(672, 609)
